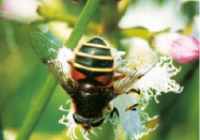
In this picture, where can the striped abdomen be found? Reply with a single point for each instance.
(94, 58)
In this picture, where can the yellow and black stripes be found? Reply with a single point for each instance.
(93, 62)
(95, 49)
(94, 58)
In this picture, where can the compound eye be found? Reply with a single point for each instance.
(76, 120)
(96, 124)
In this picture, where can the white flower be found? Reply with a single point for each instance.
(159, 79)
(117, 56)
(9, 135)
(132, 123)
(65, 54)
(60, 30)
(23, 11)
(153, 17)
(68, 121)
(137, 47)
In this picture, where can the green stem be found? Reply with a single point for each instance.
(82, 23)
(61, 16)
(1, 127)
(136, 32)
(1, 4)
(37, 108)
(43, 98)
(72, 20)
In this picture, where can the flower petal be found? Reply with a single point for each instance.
(185, 49)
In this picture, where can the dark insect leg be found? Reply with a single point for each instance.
(132, 107)
(133, 90)
(113, 111)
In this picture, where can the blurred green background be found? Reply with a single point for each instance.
(22, 76)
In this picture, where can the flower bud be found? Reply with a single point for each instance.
(185, 49)
(23, 11)
(162, 42)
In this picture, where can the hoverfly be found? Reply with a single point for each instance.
(90, 81)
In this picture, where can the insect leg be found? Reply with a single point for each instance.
(113, 111)
(131, 107)
(109, 108)
(123, 74)
(133, 90)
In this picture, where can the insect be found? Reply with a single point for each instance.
(90, 82)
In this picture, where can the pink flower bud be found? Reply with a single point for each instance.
(185, 49)
(163, 41)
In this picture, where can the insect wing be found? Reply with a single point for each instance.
(45, 48)
(135, 70)
(48, 52)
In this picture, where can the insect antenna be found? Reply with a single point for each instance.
(85, 132)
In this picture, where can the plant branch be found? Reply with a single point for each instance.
(137, 32)
(37, 108)
(60, 16)
(1, 126)
(82, 23)
(71, 20)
